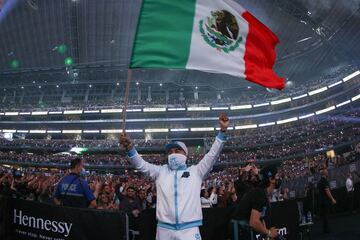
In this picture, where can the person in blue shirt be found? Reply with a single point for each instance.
(73, 190)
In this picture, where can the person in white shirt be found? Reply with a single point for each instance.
(178, 204)
(206, 200)
(350, 192)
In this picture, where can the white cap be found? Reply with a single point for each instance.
(176, 144)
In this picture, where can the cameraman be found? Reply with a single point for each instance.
(73, 190)
(251, 210)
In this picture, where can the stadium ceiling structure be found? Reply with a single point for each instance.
(92, 39)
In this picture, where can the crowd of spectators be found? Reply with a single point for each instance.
(235, 151)
(220, 189)
(259, 96)
(250, 138)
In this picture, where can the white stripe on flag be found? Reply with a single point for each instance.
(209, 59)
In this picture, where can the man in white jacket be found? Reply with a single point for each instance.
(178, 206)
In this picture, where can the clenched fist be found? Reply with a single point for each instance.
(224, 122)
(125, 141)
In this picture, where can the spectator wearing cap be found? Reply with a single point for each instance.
(178, 187)
(73, 190)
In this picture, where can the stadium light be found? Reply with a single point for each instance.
(53, 131)
(298, 97)
(11, 113)
(9, 131)
(179, 130)
(343, 103)
(287, 120)
(39, 113)
(176, 109)
(311, 93)
(203, 129)
(53, 113)
(91, 111)
(347, 78)
(245, 126)
(325, 110)
(281, 101)
(22, 131)
(355, 98)
(307, 116)
(71, 131)
(219, 108)
(114, 110)
(261, 105)
(134, 130)
(193, 109)
(91, 131)
(2, 114)
(133, 110)
(267, 124)
(248, 106)
(335, 84)
(68, 112)
(111, 131)
(154, 109)
(156, 130)
(25, 113)
(38, 131)
(229, 128)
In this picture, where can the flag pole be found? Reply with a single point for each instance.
(126, 100)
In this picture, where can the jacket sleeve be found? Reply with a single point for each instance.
(206, 164)
(213, 198)
(141, 165)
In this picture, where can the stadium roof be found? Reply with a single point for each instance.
(316, 37)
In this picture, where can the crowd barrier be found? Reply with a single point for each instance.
(24, 220)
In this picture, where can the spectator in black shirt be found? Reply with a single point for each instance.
(251, 210)
(326, 199)
(130, 204)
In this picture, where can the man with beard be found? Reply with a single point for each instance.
(326, 199)
(178, 206)
(252, 208)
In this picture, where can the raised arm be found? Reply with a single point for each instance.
(206, 164)
(136, 160)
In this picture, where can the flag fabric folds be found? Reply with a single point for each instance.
(217, 36)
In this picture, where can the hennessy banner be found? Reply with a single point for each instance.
(20, 220)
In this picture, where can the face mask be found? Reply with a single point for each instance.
(176, 161)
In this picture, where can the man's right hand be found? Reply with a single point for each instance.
(274, 232)
(333, 201)
(125, 141)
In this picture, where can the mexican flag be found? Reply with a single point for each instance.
(217, 36)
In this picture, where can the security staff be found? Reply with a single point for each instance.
(73, 190)
(178, 205)
(326, 199)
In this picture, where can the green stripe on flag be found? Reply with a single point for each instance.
(164, 32)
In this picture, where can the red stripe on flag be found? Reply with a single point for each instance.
(260, 54)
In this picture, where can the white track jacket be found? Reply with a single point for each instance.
(178, 203)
